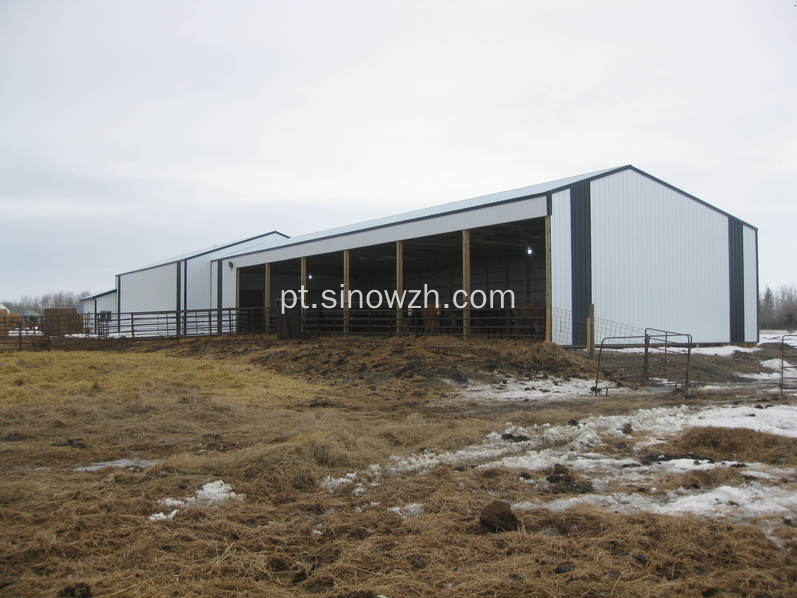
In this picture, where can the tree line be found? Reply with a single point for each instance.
(40, 303)
(778, 308)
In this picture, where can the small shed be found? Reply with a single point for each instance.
(31, 316)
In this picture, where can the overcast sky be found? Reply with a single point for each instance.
(131, 131)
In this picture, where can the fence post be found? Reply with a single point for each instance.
(782, 382)
(19, 330)
(177, 324)
(132, 325)
(645, 370)
(688, 361)
(591, 331)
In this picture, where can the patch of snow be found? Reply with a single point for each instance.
(718, 351)
(116, 463)
(775, 336)
(538, 447)
(163, 516)
(529, 389)
(724, 350)
(358, 491)
(747, 502)
(774, 364)
(211, 494)
(410, 510)
(330, 483)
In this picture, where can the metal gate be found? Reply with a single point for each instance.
(788, 364)
(655, 358)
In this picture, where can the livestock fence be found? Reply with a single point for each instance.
(527, 321)
(654, 358)
(788, 364)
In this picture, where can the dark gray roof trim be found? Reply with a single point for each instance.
(97, 295)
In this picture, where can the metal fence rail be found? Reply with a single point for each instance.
(788, 364)
(655, 358)
(526, 321)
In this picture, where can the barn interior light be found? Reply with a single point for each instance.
(309, 276)
(530, 250)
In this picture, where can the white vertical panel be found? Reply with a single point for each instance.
(561, 275)
(107, 303)
(659, 258)
(750, 285)
(213, 285)
(228, 290)
(87, 306)
(154, 289)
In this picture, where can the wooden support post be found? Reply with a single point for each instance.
(346, 288)
(302, 284)
(466, 281)
(267, 299)
(548, 287)
(399, 283)
(591, 331)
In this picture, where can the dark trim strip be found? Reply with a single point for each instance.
(549, 203)
(736, 279)
(178, 270)
(496, 203)
(581, 258)
(118, 302)
(185, 284)
(757, 294)
(273, 232)
(97, 295)
(219, 280)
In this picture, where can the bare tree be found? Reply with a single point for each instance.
(778, 307)
(39, 304)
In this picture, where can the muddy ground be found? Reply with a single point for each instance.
(280, 422)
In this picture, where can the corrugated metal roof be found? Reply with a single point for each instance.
(439, 210)
(87, 297)
(270, 239)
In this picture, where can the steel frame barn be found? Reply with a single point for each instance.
(619, 245)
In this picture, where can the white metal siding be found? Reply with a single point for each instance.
(154, 289)
(228, 290)
(107, 303)
(214, 284)
(750, 285)
(561, 271)
(659, 258)
(87, 306)
(199, 276)
(519, 210)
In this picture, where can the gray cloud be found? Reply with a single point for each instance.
(133, 131)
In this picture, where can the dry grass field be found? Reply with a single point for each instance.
(283, 423)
